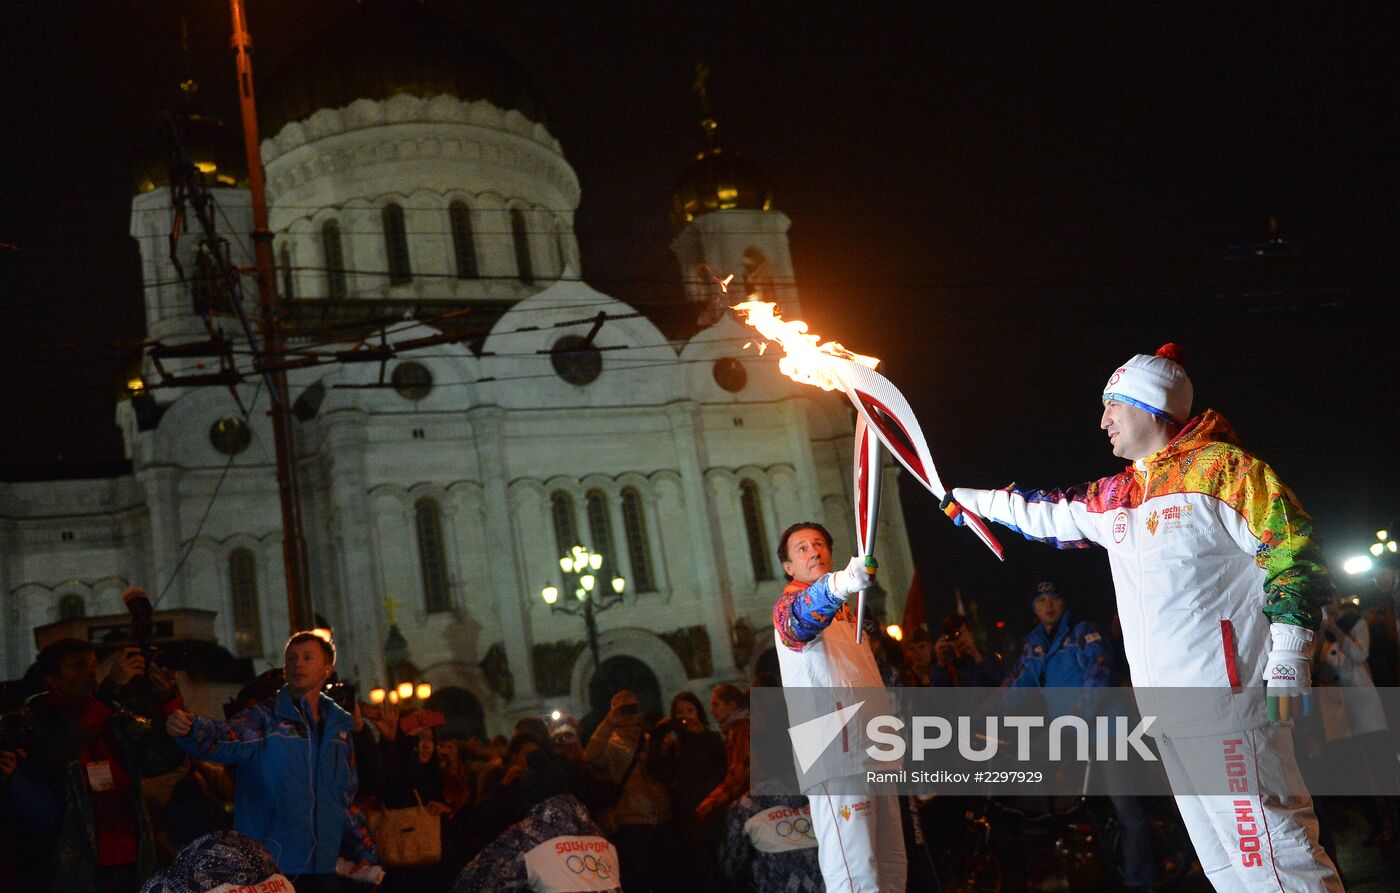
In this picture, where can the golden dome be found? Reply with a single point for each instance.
(719, 179)
(217, 153)
(384, 48)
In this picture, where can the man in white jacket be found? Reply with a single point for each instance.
(1219, 582)
(860, 842)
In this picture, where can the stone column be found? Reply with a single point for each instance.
(711, 569)
(800, 443)
(358, 594)
(503, 573)
(161, 484)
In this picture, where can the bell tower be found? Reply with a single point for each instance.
(723, 208)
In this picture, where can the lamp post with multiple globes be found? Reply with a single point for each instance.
(582, 580)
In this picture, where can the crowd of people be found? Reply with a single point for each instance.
(114, 786)
(116, 778)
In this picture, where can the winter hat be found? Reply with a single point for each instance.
(1043, 589)
(223, 860)
(1155, 384)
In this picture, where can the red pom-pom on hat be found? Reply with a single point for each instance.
(1174, 352)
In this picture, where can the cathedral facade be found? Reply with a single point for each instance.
(414, 191)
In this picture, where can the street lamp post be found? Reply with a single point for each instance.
(581, 575)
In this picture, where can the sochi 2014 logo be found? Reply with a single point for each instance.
(799, 829)
(845, 813)
(1283, 673)
(1152, 523)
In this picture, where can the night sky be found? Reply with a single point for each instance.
(1003, 202)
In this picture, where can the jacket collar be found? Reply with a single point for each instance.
(1206, 428)
(1038, 635)
(332, 714)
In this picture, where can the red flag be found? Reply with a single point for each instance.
(913, 608)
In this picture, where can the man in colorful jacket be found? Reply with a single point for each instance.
(296, 782)
(1219, 580)
(860, 841)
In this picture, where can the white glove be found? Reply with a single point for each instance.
(1288, 671)
(855, 578)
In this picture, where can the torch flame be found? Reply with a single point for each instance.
(804, 354)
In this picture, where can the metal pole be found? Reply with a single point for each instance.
(299, 608)
(592, 625)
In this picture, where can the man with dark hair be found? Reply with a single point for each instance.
(77, 791)
(297, 776)
(859, 837)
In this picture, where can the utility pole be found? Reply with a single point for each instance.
(299, 607)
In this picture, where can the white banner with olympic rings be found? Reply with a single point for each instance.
(782, 829)
(573, 865)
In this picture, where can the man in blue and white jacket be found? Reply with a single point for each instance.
(297, 781)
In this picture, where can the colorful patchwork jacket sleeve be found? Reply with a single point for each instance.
(1276, 532)
(803, 611)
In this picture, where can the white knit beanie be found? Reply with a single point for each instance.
(1155, 383)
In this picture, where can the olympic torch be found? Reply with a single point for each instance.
(884, 419)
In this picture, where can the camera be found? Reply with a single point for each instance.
(344, 694)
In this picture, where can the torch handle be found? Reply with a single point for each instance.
(870, 463)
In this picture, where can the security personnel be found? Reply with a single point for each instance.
(1060, 653)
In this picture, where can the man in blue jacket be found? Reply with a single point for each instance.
(1064, 653)
(1059, 652)
(296, 782)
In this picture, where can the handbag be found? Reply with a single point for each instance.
(407, 838)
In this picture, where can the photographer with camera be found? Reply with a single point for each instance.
(687, 756)
(297, 779)
(958, 661)
(641, 810)
(75, 788)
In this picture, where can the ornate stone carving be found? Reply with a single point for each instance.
(554, 666)
(692, 646)
(495, 669)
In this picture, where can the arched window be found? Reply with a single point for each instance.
(72, 607)
(634, 525)
(284, 260)
(524, 270)
(463, 244)
(396, 245)
(758, 276)
(600, 531)
(334, 257)
(243, 592)
(753, 526)
(561, 507)
(432, 556)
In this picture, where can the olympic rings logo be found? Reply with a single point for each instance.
(797, 829)
(590, 866)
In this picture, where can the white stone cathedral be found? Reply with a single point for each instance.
(414, 190)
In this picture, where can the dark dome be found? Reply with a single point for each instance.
(387, 47)
(719, 179)
(215, 150)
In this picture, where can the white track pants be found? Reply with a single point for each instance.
(1248, 841)
(860, 842)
